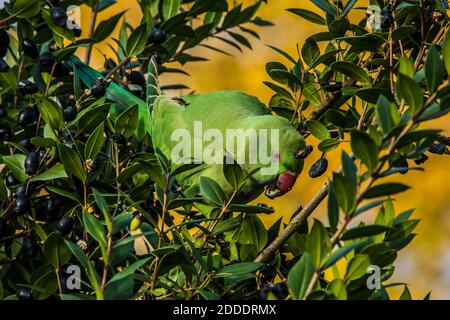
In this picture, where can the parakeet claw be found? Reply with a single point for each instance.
(284, 183)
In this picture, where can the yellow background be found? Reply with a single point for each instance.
(425, 263)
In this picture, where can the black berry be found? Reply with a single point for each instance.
(99, 87)
(5, 134)
(157, 36)
(137, 78)
(26, 143)
(31, 163)
(118, 138)
(64, 226)
(70, 113)
(30, 246)
(29, 48)
(59, 16)
(10, 180)
(77, 32)
(303, 153)
(61, 70)
(31, 88)
(24, 294)
(26, 116)
(21, 205)
(3, 112)
(46, 61)
(318, 168)
(437, 148)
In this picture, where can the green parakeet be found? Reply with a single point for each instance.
(215, 112)
(228, 112)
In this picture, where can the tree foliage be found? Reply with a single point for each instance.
(80, 181)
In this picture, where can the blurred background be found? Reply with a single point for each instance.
(425, 263)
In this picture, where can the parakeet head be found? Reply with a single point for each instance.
(285, 157)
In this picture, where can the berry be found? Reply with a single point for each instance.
(31, 88)
(77, 32)
(332, 86)
(421, 160)
(21, 189)
(303, 152)
(132, 154)
(46, 61)
(59, 16)
(118, 138)
(5, 134)
(137, 78)
(30, 246)
(99, 87)
(157, 36)
(4, 67)
(24, 294)
(26, 143)
(10, 180)
(26, 116)
(21, 205)
(61, 70)
(70, 113)
(4, 42)
(64, 226)
(29, 48)
(437, 148)
(3, 226)
(31, 163)
(318, 168)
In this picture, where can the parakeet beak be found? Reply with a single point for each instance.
(284, 183)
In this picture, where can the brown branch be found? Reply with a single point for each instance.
(277, 244)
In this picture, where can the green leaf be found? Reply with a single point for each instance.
(51, 113)
(233, 173)
(325, 6)
(385, 189)
(364, 148)
(212, 191)
(357, 267)
(78, 253)
(238, 269)
(345, 192)
(95, 228)
(328, 145)
(340, 253)
(128, 271)
(106, 27)
(25, 9)
(352, 71)
(338, 289)
(406, 295)
(349, 168)
(310, 51)
(170, 8)
(94, 143)
(318, 130)
(137, 41)
(15, 163)
(126, 123)
(434, 69)
(43, 142)
(384, 115)
(411, 92)
(251, 209)
(300, 276)
(308, 15)
(55, 250)
(72, 162)
(364, 231)
(55, 172)
(318, 244)
(446, 52)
